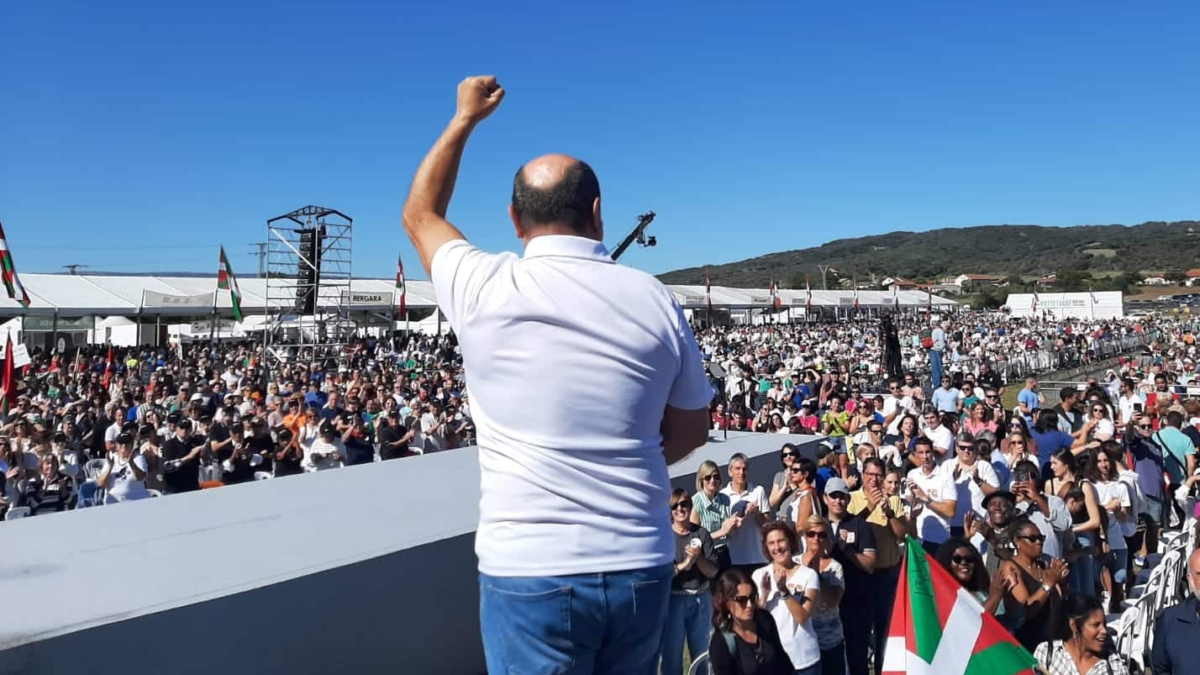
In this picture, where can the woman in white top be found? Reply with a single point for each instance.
(1112, 495)
(326, 452)
(1083, 653)
(788, 591)
(124, 474)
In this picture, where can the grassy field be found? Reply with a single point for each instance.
(1156, 292)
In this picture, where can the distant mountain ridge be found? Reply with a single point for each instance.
(1005, 250)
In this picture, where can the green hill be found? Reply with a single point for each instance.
(1081, 252)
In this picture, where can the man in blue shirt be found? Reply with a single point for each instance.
(947, 399)
(1030, 399)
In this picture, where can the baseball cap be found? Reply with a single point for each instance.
(836, 484)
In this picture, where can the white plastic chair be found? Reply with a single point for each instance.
(697, 662)
(18, 512)
(262, 475)
(93, 468)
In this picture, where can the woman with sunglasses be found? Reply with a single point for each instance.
(1085, 648)
(817, 544)
(780, 487)
(1017, 425)
(1032, 603)
(712, 510)
(961, 559)
(690, 608)
(788, 591)
(744, 640)
(802, 502)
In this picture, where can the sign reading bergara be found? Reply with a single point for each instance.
(156, 299)
(366, 298)
(45, 324)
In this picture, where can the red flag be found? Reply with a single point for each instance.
(856, 307)
(708, 290)
(400, 285)
(776, 303)
(9, 383)
(108, 368)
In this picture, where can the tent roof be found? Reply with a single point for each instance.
(90, 295)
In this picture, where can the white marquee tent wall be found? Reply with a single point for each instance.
(88, 295)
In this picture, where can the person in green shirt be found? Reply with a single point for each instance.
(835, 424)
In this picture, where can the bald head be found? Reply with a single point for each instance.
(557, 193)
(1193, 572)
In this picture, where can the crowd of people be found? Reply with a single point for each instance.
(1043, 511)
(104, 426)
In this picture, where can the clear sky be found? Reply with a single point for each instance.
(136, 135)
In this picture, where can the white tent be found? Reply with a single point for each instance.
(69, 296)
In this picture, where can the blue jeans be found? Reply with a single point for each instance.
(1082, 579)
(689, 619)
(574, 625)
(883, 583)
(1118, 561)
(935, 364)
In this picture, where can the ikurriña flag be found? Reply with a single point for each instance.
(707, 290)
(939, 628)
(400, 286)
(12, 283)
(227, 282)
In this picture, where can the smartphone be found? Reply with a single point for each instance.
(1137, 407)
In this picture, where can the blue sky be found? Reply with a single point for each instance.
(136, 136)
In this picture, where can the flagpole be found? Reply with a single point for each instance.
(212, 329)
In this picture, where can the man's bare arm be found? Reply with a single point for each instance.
(683, 431)
(432, 187)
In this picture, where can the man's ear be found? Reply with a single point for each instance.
(597, 220)
(516, 221)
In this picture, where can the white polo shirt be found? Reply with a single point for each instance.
(571, 360)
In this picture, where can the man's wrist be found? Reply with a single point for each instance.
(461, 124)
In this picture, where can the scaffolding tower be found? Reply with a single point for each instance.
(308, 279)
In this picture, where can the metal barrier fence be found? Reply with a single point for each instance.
(1032, 362)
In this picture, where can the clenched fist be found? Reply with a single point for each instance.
(478, 96)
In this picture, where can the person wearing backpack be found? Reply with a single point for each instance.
(745, 640)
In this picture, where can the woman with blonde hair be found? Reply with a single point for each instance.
(817, 546)
(712, 510)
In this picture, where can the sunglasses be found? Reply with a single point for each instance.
(876, 430)
(816, 534)
(962, 560)
(795, 469)
(1145, 426)
(682, 506)
(967, 448)
(711, 476)
(743, 600)
(788, 454)
(1033, 538)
